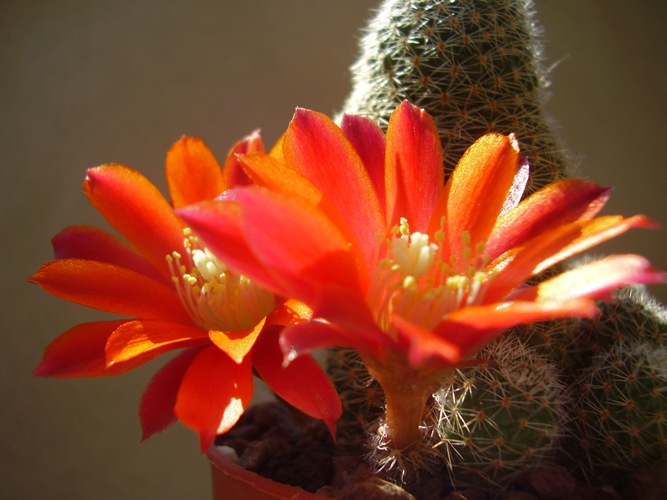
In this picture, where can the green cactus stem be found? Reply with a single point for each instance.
(475, 66)
(633, 314)
(621, 423)
(620, 387)
(500, 417)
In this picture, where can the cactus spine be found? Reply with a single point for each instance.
(622, 420)
(501, 417)
(620, 415)
(486, 423)
(475, 66)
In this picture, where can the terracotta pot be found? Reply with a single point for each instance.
(233, 482)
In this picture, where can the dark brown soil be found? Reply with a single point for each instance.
(288, 447)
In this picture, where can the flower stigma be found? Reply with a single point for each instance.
(418, 282)
(215, 297)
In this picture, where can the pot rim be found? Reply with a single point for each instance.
(230, 478)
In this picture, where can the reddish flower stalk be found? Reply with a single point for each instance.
(414, 273)
(178, 296)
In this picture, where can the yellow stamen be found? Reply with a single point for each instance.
(414, 280)
(215, 297)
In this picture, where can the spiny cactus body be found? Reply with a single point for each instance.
(500, 417)
(485, 424)
(475, 66)
(556, 340)
(361, 396)
(620, 387)
(633, 314)
(621, 424)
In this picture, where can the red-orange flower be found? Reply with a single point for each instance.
(178, 296)
(415, 274)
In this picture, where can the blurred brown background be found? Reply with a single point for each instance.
(84, 83)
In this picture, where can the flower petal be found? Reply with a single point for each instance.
(111, 288)
(297, 244)
(290, 312)
(477, 190)
(137, 210)
(316, 148)
(219, 225)
(193, 173)
(234, 173)
(156, 410)
(422, 344)
(237, 344)
(518, 186)
(558, 203)
(79, 352)
(594, 280)
(137, 342)
(308, 336)
(302, 383)
(266, 171)
(471, 328)
(91, 243)
(414, 172)
(544, 250)
(369, 142)
(213, 394)
(351, 314)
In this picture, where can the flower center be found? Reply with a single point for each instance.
(215, 297)
(414, 281)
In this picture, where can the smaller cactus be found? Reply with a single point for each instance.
(556, 339)
(500, 417)
(621, 421)
(486, 423)
(362, 397)
(634, 314)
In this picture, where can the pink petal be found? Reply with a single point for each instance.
(302, 383)
(308, 336)
(316, 148)
(518, 187)
(213, 394)
(220, 226)
(156, 410)
(352, 316)
(369, 142)
(110, 288)
(558, 203)
(594, 280)
(423, 345)
(471, 328)
(91, 243)
(544, 250)
(79, 352)
(299, 246)
(414, 167)
(137, 210)
(234, 173)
